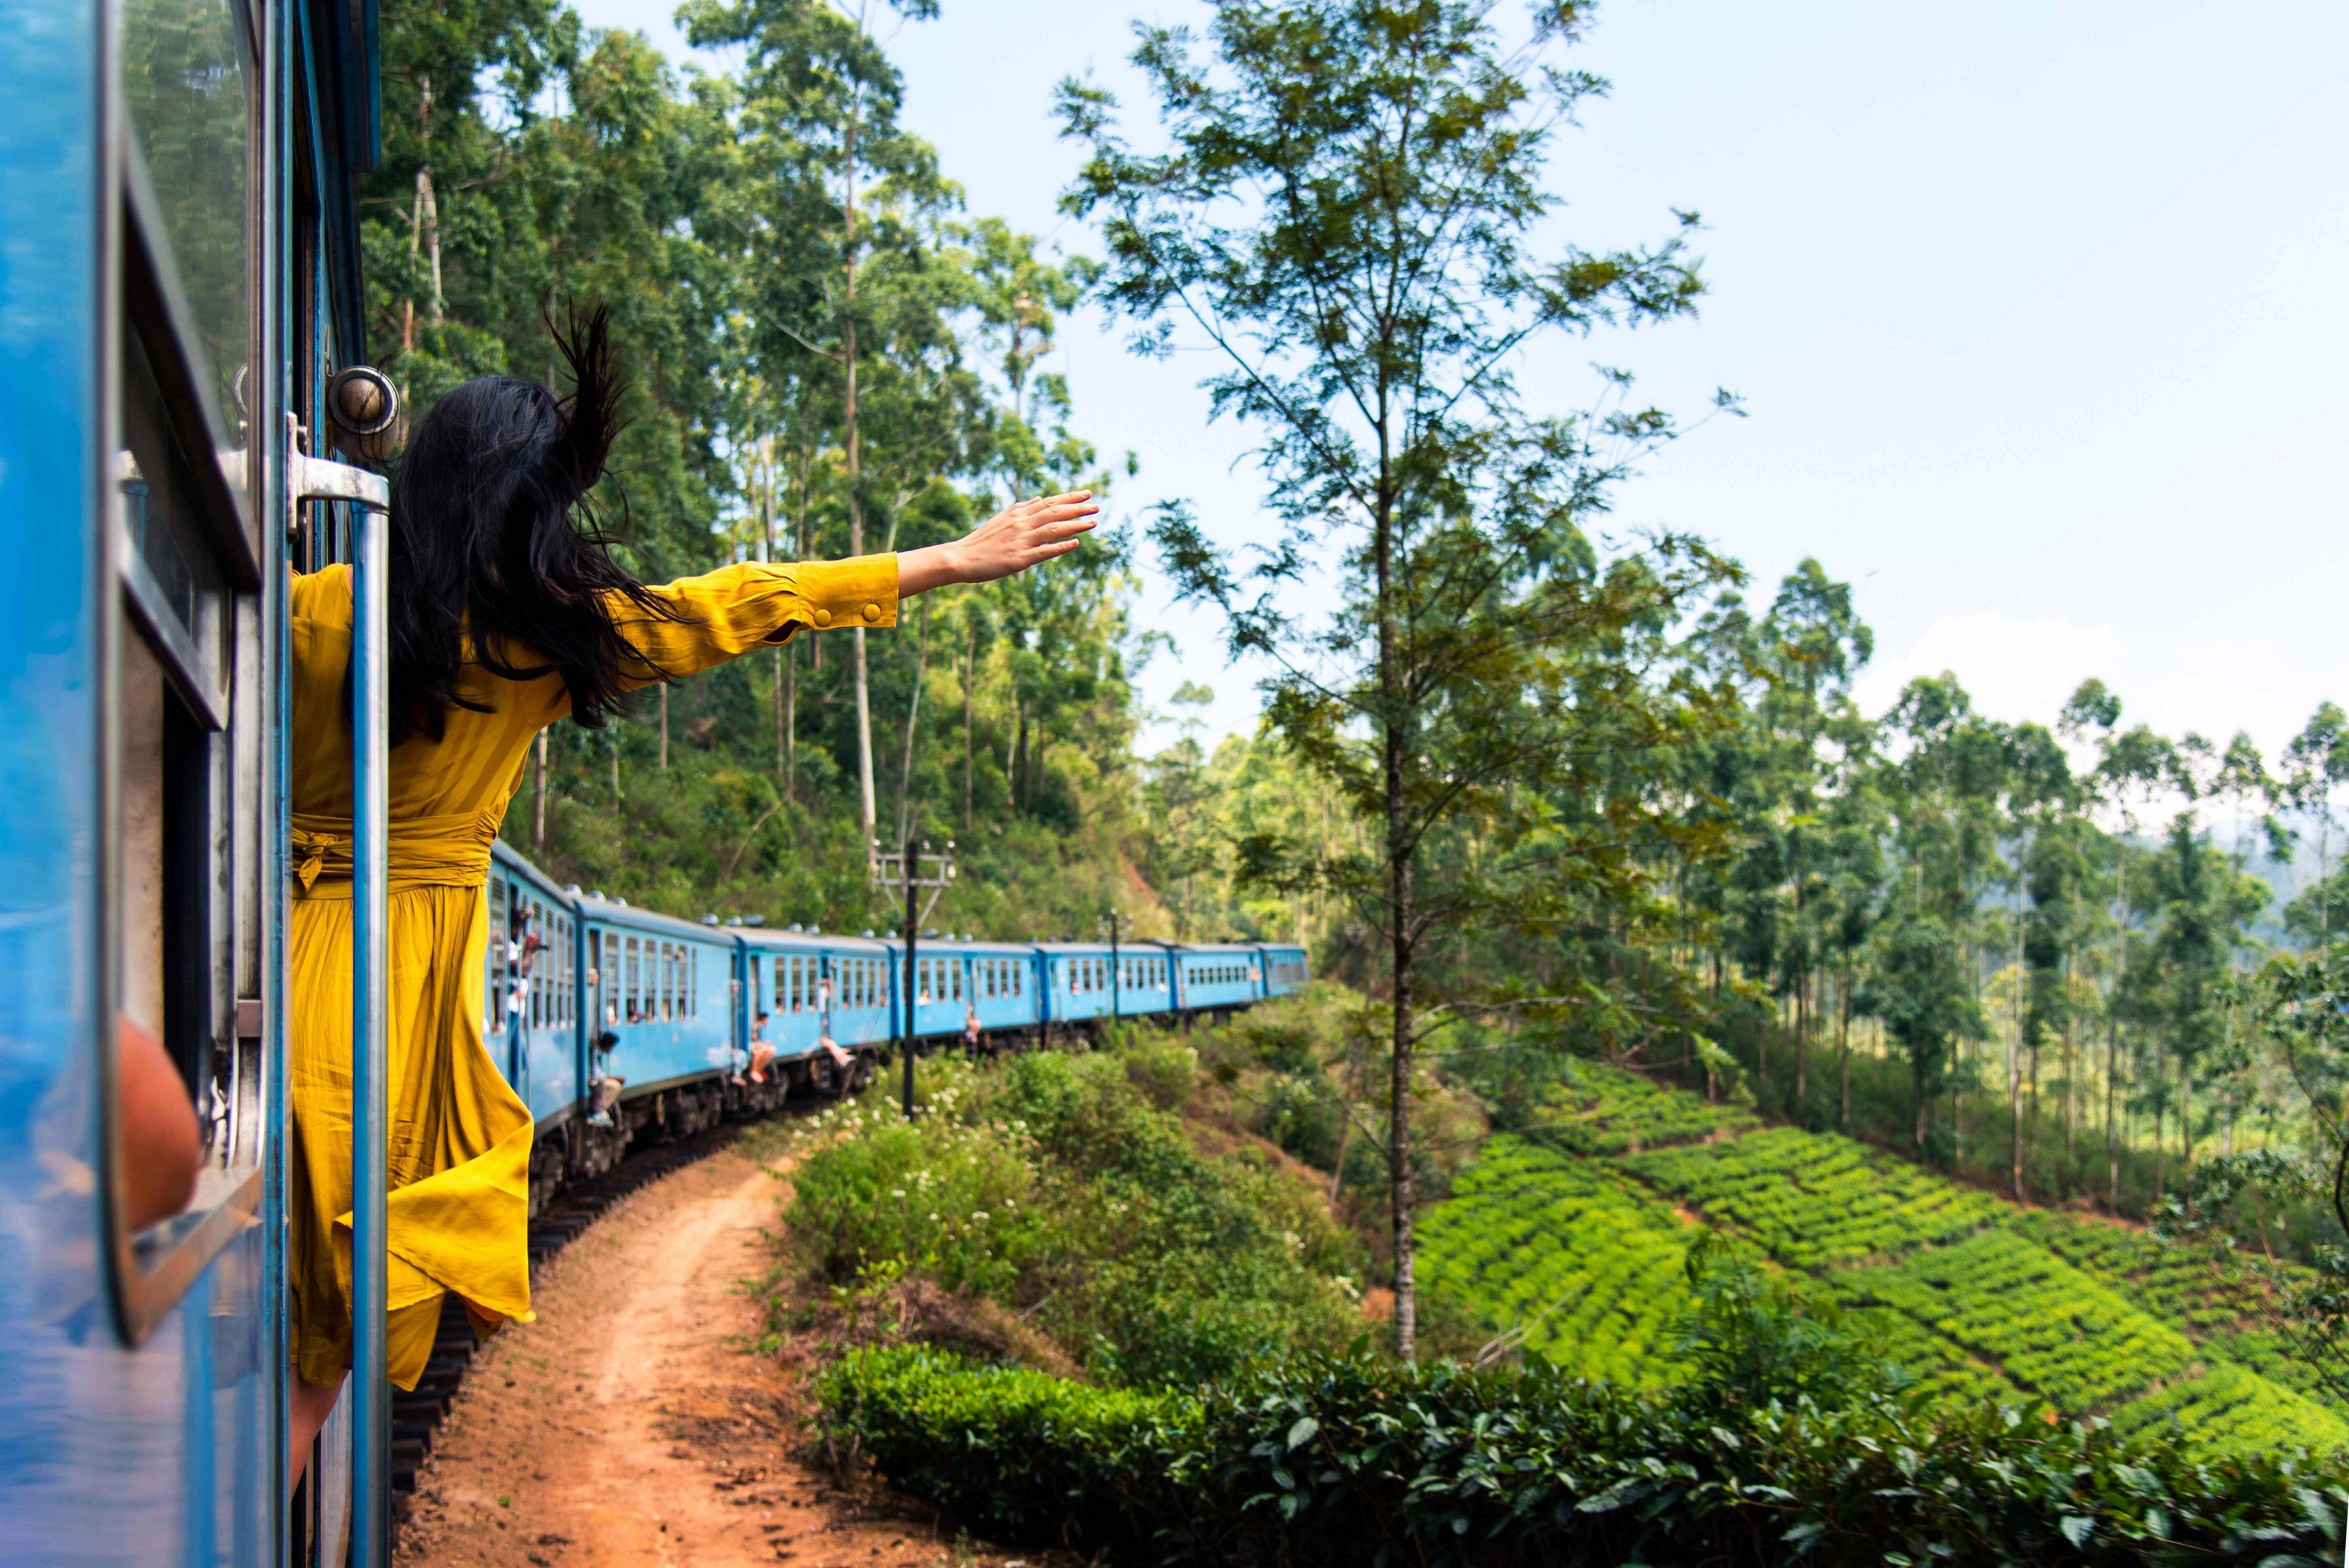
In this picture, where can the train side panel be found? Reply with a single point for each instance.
(859, 998)
(1286, 970)
(1003, 986)
(1145, 985)
(1219, 977)
(662, 1002)
(532, 987)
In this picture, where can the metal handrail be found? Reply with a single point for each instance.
(312, 479)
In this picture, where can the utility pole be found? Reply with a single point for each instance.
(911, 868)
(1115, 980)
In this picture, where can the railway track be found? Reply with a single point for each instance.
(416, 1416)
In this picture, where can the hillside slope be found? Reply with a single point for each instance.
(1571, 1238)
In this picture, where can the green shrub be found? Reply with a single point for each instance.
(1350, 1460)
(955, 1201)
(1053, 1185)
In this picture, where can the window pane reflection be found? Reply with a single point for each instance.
(184, 78)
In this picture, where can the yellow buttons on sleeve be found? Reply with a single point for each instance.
(824, 617)
(872, 612)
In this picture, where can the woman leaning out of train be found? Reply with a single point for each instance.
(507, 614)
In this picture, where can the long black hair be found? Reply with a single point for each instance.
(490, 539)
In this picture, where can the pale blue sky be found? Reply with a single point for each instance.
(2037, 309)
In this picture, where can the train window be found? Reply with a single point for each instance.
(611, 976)
(493, 957)
(628, 985)
(954, 977)
(693, 982)
(186, 70)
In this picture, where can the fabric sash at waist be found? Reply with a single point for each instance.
(450, 851)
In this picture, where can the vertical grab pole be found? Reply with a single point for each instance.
(371, 964)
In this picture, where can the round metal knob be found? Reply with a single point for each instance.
(362, 401)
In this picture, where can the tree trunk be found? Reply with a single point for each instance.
(538, 826)
(1802, 1041)
(2112, 1043)
(422, 203)
(913, 716)
(856, 501)
(2014, 1056)
(2070, 1074)
(969, 676)
(1402, 1195)
(1843, 1007)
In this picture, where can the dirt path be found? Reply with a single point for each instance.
(633, 1424)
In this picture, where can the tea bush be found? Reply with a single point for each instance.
(1350, 1460)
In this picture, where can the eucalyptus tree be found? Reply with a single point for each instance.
(861, 295)
(1946, 785)
(2316, 764)
(2134, 768)
(1343, 215)
(2042, 795)
(1919, 986)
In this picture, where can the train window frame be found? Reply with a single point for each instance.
(205, 878)
(607, 973)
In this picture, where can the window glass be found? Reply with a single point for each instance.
(611, 978)
(493, 958)
(185, 77)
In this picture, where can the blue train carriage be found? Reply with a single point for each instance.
(1079, 987)
(1144, 979)
(531, 966)
(178, 268)
(1219, 977)
(659, 1041)
(1004, 984)
(1286, 968)
(963, 986)
(858, 996)
(811, 989)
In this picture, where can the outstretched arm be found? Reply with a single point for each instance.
(1014, 539)
(724, 614)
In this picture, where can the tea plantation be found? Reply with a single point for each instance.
(1572, 1237)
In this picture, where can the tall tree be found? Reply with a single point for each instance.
(1920, 990)
(1343, 214)
(856, 198)
(2316, 764)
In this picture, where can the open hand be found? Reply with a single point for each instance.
(1011, 541)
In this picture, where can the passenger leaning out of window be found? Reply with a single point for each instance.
(508, 613)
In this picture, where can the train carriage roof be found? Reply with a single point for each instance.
(611, 912)
(957, 945)
(514, 863)
(766, 939)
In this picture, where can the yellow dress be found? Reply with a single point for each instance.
(459, 1136)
